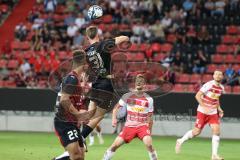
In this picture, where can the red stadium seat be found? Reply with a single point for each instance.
(227, 39)
(158, 57)
(9, 84)
(102, 27)
(25, 45)
(236, 89)
(190, 88)
(62, 55)
(229, 58)
(206, 78)
(16, 45)
(222, 67)
(217, 58)
(183, 78)
(156, 48)
(171, 38)
(238, 59)
(119, 56)
(130, 56)
(107, 18)
(140, 57)
(231, 48)
(236, 67)
(179, 88)
(1, 83)
(222, 49)
(143, 47)
(133, 48)
(166, 48)
(12, 64)
(211, 68)
(228, 89)
(195, 78)
(232, 30)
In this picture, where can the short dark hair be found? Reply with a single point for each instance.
(91, 31)
(140, 76)
(78, 57)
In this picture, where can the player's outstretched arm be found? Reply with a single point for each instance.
(121, 39)
(114, 115)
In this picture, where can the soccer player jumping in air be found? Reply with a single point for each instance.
(209, 111)
(139, 114)
(98, 56)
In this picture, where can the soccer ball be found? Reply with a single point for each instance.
(95, 12)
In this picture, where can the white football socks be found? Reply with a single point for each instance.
(215, 144)
(100, 138)
(65, 154)
(152, 155)
(186, 137)
(91, 139)
(108, 155)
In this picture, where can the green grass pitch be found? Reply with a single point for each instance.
(44, 146)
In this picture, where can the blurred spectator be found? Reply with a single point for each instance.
(138, 30)
(20, 32)
(203, 35)
(78, 39)
(80, 20)
(231, 77)
(19, 80)
(117, 17)
(188, 5)
(200, 62)
(166, 21)
(178, 62)
(4, 73)
(219, 7)
(38, 22)
(189, 63)
(36, 40)
(50, 5)
(72, 30)
(157, 30)
(166, 62)
(65, 41)
(209, 7)
(70, 19)
(25, 68)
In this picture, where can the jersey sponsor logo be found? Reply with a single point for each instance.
(138, 109)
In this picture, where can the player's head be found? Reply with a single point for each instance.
(139, 82)
(92, 32)
(218, 76)
(78, 58)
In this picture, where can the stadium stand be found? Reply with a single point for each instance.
(192, 41)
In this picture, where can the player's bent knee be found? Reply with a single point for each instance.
(196, 131)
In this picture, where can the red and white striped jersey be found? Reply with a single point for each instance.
(211, 94)
(138, 108)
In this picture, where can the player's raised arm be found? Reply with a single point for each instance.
(121, 39)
